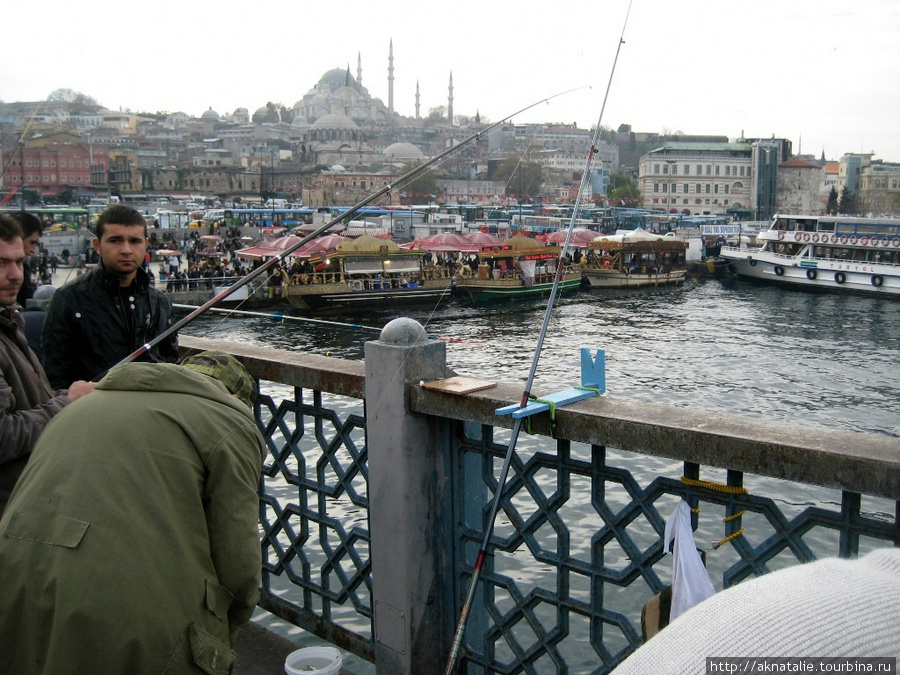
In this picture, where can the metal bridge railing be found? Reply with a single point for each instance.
(577, 549)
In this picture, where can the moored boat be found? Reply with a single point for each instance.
(632, 258)
(832, 253)
(520, 267)
(366, 272)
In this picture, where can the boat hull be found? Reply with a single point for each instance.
(324, 296)
(613, 278)
(492, 290)
(818, 275)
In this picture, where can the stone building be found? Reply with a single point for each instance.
(879, 188)
(799, 188)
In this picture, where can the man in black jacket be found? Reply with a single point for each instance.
(110, 312)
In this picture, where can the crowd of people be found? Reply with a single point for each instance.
(128, 478)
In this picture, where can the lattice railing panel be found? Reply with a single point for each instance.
(314, 515)
(577, 548)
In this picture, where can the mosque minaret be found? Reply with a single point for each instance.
(450, 101)
(391, 78)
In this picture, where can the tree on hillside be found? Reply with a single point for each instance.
(274, 113)
(71, 96)
(421, 188)
(522, 177)
(848, 204)
(622, 189)
(832, 207)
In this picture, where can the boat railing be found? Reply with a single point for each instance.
(377, 483)
(368, 281)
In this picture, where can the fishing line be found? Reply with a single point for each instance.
(526, 394)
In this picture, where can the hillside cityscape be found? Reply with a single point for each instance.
(337, 144)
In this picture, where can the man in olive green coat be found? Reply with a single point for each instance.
(130, 543)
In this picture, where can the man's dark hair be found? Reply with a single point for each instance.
(9, 228)
(30, 223)
(119, 214)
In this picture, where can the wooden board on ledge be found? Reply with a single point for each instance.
(458, 385)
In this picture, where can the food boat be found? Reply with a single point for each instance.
(520, 267)
(364, 272)
(632, 258)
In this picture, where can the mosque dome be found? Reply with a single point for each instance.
(261, 112)
(403, 150)
(336, 78)
(299, 121)
(338, 168)
(210, 115)
(335, 121)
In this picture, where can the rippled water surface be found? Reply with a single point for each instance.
(729, 346)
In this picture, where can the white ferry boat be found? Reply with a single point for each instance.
(824, 253)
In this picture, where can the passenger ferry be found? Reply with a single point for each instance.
(832, 253)
(520, 267)
(633, 258)
(365, 272)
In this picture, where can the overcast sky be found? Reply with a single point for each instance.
(822, 73)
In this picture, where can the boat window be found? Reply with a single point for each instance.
(402, 266)
(826, 226)
(363, 266)
(846, 228)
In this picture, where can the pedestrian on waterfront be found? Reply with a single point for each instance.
(27, 402)
(32, 229)
(110, 312)
(130, 544)
(34, 316)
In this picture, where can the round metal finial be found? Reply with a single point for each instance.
(403, 332)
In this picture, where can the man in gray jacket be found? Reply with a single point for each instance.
(27, 401)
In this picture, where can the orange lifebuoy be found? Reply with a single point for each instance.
(864, 241)
(834, 239)
(815, 238)
(797, 236)
(806, 236)
(895, 241)
(781, 234)
(853, 239)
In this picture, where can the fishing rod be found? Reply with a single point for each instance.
(271, 262)
(305, 319)
(526, 394)
(280, 317)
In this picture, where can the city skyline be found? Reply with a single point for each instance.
(818, 73)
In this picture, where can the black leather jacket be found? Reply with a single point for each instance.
(91, 326)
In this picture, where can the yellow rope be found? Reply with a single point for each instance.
(718, 487)
(727, 489)
(733, 535)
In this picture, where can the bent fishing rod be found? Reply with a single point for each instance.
(526, 394)
(276, 260)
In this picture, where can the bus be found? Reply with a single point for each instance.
(59, 218)
(262, 217)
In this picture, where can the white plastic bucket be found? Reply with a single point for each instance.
(313, 661)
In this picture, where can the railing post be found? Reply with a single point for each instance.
(409, 506)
